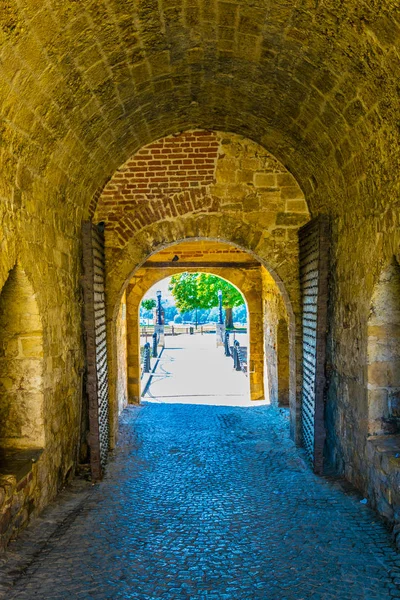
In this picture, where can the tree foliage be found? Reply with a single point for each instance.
(200, 291)
(148, 304)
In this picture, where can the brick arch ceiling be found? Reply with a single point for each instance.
(85, 84)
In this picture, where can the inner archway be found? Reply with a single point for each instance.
(243, 271)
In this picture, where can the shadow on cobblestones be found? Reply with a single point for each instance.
(204, 502)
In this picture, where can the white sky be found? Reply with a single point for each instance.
(163, 286)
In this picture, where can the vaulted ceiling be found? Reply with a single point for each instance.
(85, 83)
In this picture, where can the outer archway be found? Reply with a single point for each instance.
(204, 185)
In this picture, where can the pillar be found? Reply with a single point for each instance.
(132, 344)
(256, 345)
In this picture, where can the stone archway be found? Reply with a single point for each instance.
(121, 273)
(250, 286)
(204, 185)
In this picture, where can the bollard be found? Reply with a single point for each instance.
(236, 357)
(227, 349)
(172, 330)
(146, 358)
(155, 344)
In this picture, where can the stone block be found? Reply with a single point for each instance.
(291, 219)
(296, 206)
(244, 176)
(263, 180)
(10, 348)
(378, 406)
(291, 193)
(285, 180)
(379, 374)
(32, 346)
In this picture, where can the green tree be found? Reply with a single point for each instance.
(194, 291)
(148, 304)
(185, 290)
(208, 289)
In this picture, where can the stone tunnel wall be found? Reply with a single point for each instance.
(362, 249)
(21, 364)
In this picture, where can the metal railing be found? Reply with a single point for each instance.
(179, 329)
(239, 354)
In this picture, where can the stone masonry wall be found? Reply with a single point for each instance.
(362, 249)
(283, 362)
(21, 364)
(201, 172)
(19, 499)
(384, 354)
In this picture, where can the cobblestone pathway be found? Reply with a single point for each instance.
(178, 378)
(206, 502)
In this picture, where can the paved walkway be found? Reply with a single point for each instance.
(193, 370)
(204, 502)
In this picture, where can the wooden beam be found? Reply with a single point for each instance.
(200, 265)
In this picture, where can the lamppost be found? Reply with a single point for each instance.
(159, 319)
(220, 328)
(158, 324)
(220, 315)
